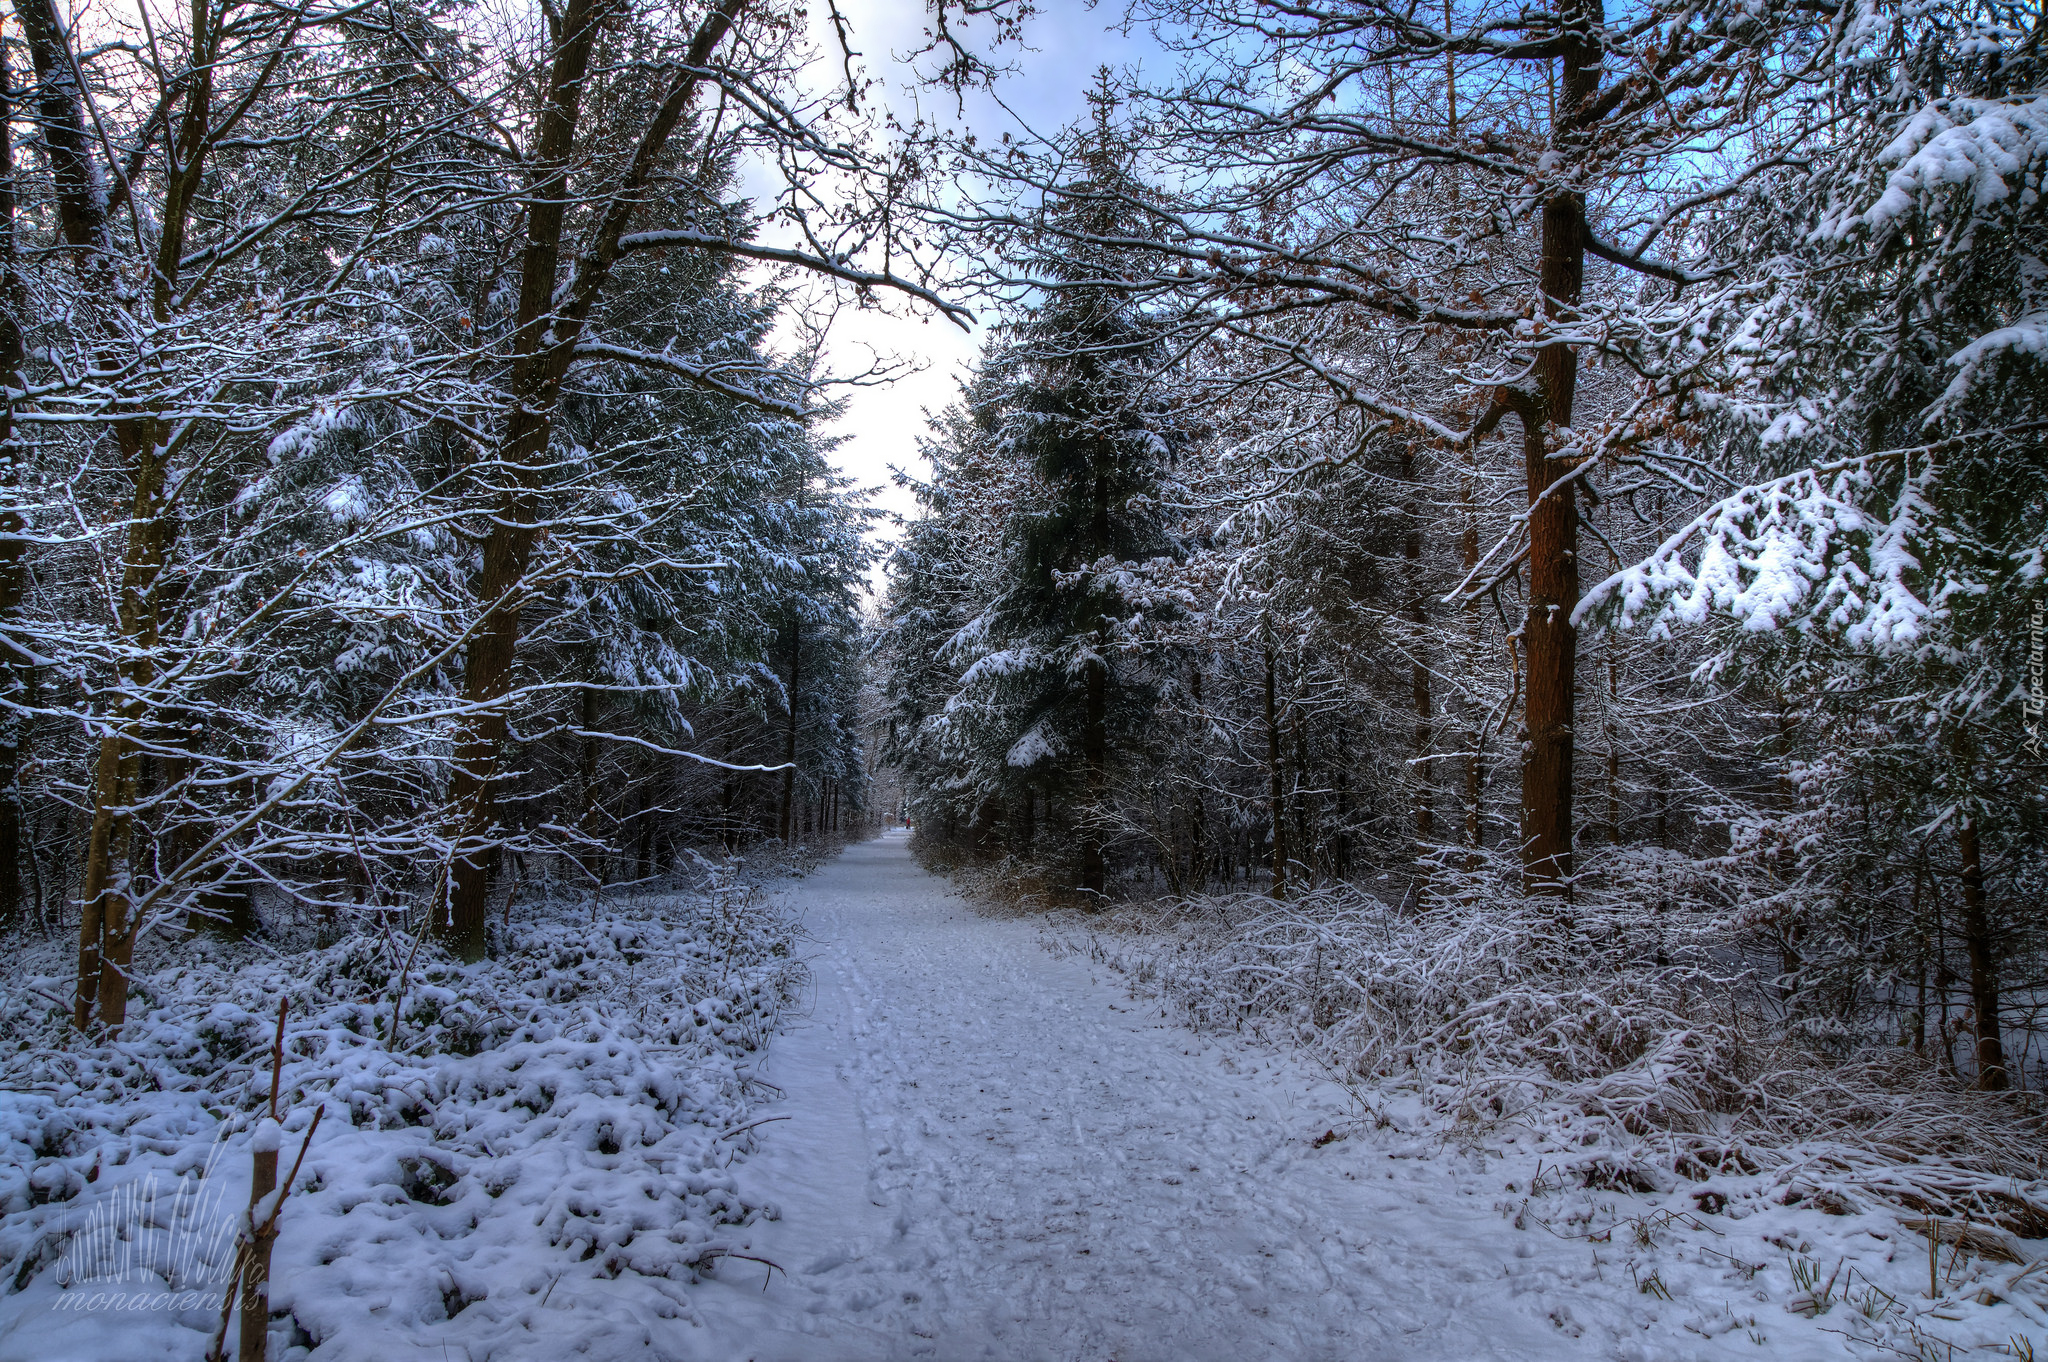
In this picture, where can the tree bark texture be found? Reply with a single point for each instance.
(14, 670)
(1549, 641)
(255, 1302)
(1418, 680)
(106, 930)
(1275, 792)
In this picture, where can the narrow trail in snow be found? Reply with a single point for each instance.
(994, 1152)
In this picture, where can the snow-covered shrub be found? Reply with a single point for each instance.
(1624, 1042)
(556, 1121)
(1495, 1004)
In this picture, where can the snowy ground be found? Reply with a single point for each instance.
(533, 1162)
(979, 1147)
(994, 1151)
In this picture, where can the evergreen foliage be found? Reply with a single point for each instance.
(1056, 676)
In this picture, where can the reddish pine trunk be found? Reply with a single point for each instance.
(1549, 641)
(1550, 646)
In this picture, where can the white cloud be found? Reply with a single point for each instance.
(1067, 41)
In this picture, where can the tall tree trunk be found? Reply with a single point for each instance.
(643, 856)
(508, 545)
(1474, 763)
(1981, 943)
(473, 780)
(1550, 648)
(1306, 832)
(1340, 843)
(110, 859)
(81, 219)
(13, 487)
(1473, 768)
(106, 931)
(1418, 680)
(796, 672)
(589, 807)
(60, 123)
(728, 802)
(1275, 794)
(1095, 717)
(1549, 641)
(1198, 815)
(1612, 735)
(543, 346)
(1095, 755)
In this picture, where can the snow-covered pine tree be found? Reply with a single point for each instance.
(1058, 688)
(940, 576)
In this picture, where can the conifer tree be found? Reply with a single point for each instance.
(1057, 689)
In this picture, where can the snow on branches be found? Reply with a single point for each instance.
(1804, 552)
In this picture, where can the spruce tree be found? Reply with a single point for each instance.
(1059, 689)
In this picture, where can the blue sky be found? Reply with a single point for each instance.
(1066, 42)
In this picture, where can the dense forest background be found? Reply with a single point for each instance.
(1577, 478)
(1580, 461)
(385, 522)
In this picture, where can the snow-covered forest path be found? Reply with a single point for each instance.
(991, 1151)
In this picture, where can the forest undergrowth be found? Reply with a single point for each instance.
(1638, 1081)
(548, 1129)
